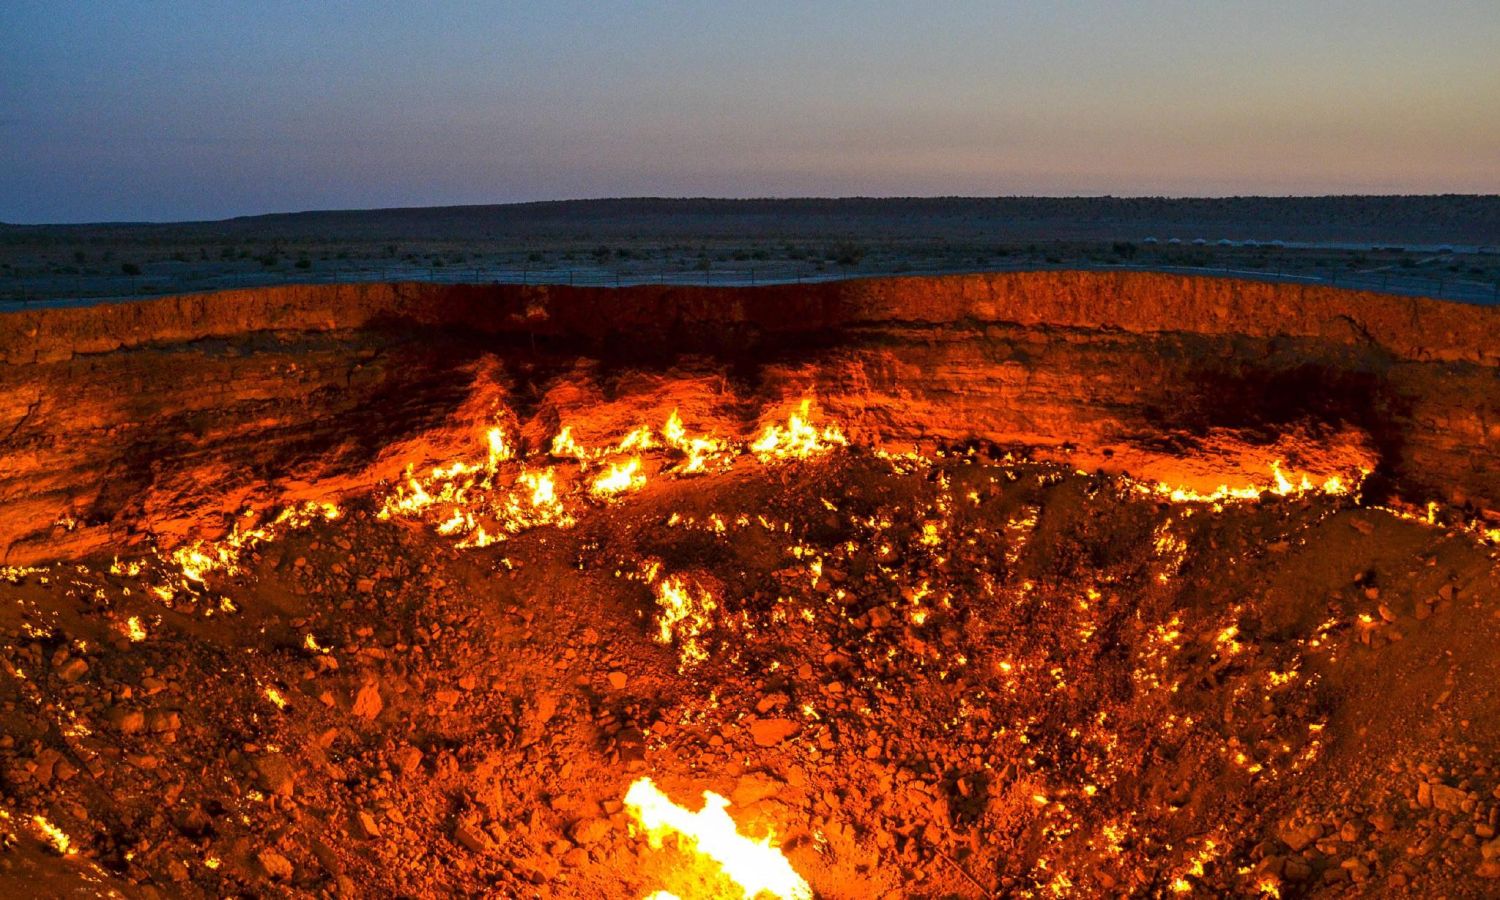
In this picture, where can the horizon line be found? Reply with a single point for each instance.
(745, 199)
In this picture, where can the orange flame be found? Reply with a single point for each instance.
(685, 618)
(1280, 485)
(798, 440)
(202, 558)
(620, 478)
(754, 866)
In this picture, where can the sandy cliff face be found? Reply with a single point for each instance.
(163, 419)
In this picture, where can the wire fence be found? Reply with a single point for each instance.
(65, 290)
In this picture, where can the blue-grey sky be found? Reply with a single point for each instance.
(137, 110)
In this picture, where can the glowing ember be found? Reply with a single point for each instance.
(754, 866)
(134, 629)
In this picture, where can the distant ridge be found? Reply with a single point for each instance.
(1468, 219)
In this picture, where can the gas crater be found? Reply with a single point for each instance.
(1047, 584)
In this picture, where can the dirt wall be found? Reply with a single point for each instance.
(157, 420)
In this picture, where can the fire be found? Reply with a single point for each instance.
(134, 629)
(543, 490)
(673, 431)
(468, 501)
(54, 835)
(798, 440)
(202, 558)
(620, 478)
(499, 449)
(754, 866)
(697, 451)
(1280, 484)
(685, 618)
(564, 447)
(639, 439)
(130, 569)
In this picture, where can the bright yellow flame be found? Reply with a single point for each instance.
(673, 432)
(684, 618)
(639, 439)
(55, 836)
(1280, 484)
(203, 557)
(543, 492)
(621, 477)
(134, 629)
(131, 568)
(275, 697)
(563, 446)
(754, 866)
(499, 449)
(698, 450)
(798, 440)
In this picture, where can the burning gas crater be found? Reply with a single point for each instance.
(953, 673)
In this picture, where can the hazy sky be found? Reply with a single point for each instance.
(130, 110)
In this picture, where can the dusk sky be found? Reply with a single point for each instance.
(132, 110)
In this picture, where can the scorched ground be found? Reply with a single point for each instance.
(954, 674)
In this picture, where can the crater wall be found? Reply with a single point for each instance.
(161, 419)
